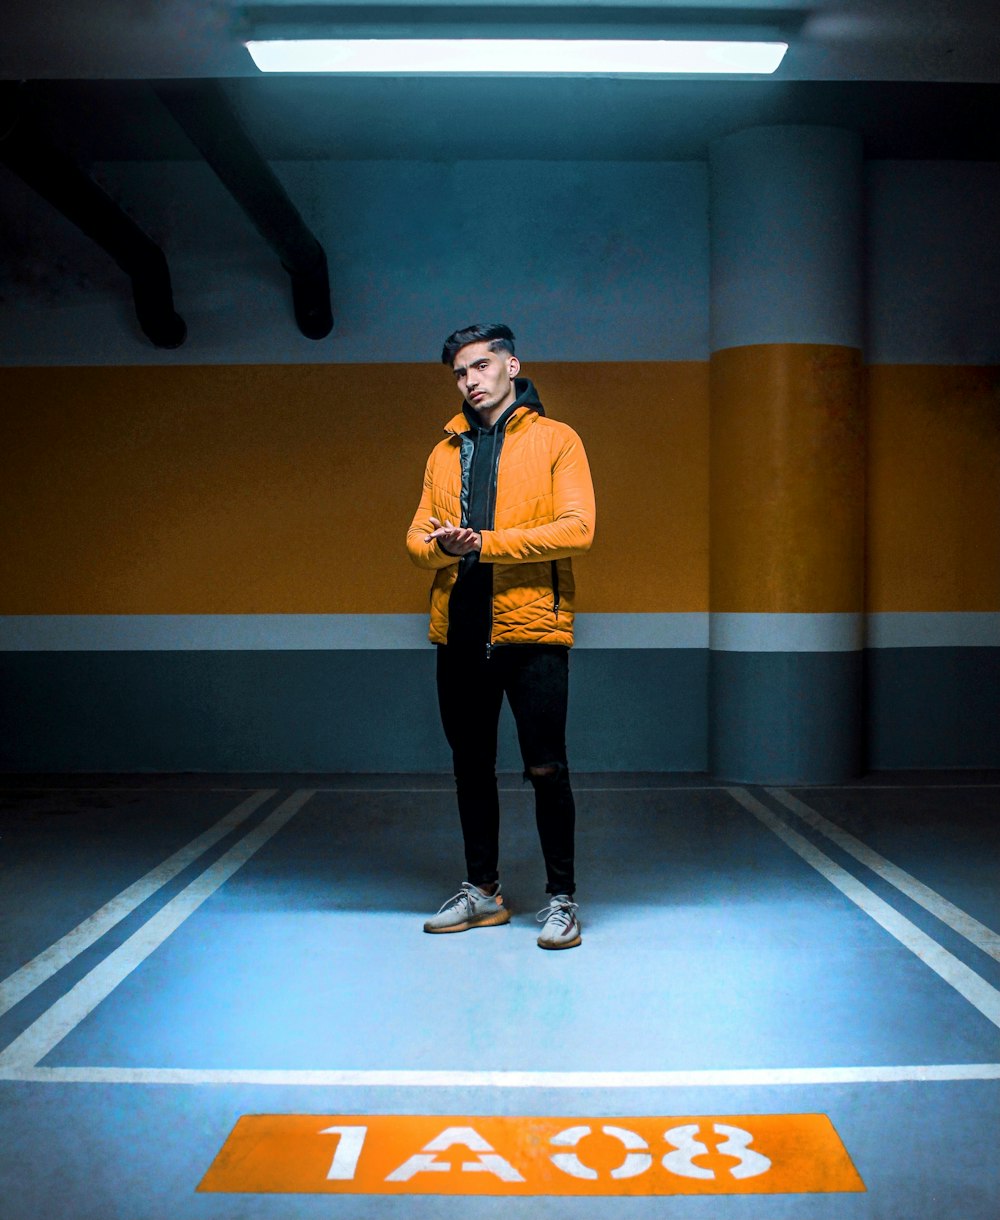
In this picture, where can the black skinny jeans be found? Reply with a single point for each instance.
(535, 679)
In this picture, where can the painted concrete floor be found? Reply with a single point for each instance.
(218, 1002)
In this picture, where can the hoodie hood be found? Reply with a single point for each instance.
(527, 396)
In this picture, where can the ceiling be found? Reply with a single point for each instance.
(915, 40)
(918, 78)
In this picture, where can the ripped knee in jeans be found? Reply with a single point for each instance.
(545, 774)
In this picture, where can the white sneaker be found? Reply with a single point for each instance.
(469, 908)
(561, 927)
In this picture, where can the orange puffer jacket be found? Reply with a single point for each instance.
(544, 515)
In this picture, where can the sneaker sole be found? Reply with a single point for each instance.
(565, 944)
(488, 921)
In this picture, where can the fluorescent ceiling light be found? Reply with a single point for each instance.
(514, 56)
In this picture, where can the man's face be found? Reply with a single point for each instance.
(484, 378)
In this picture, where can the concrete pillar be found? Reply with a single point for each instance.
(786, 600)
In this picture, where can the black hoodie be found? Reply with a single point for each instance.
(470, 609)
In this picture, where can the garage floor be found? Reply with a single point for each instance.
(218, 1002)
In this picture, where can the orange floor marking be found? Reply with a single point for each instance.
(487, 1155)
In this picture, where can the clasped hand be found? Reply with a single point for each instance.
(454, 539)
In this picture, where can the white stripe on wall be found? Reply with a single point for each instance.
(934, 630)
(285, 632)
(210, 632)
(288, 632)
(641, 631)
(787, 632)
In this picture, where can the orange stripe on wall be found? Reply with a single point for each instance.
(288, 489)
(933, 488)
(645, 427)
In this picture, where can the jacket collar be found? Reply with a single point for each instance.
(458, 425)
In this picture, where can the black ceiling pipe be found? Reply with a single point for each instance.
(204, 113)
(27, 149)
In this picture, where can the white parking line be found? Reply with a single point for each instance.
(708, 1078)
(66, 1013)
(960, 921)
(525, 788)
(112, 789)
(966, 982)
(32, 974)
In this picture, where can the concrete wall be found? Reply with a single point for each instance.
(204, 547)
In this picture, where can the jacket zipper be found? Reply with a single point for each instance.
(555, 587)
(491, 510)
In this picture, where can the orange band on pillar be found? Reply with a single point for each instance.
(788, 479)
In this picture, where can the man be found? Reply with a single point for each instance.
(507, 502)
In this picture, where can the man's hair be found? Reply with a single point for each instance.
(499, 337)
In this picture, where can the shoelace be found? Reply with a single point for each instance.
(562, 913)
(463, 897)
